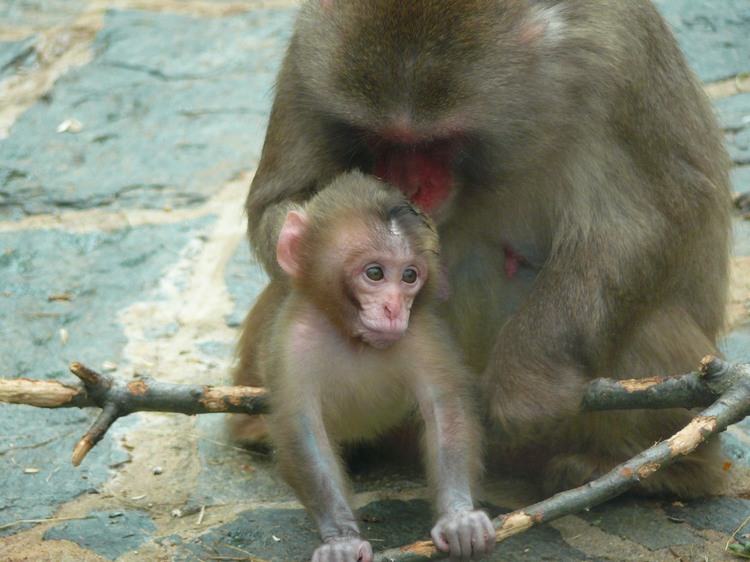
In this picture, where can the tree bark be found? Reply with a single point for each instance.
(723, 387)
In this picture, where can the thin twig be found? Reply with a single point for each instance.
(729, 545)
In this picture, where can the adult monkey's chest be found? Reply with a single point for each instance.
(479, 291)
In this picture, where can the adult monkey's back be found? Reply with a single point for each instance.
(577, 176)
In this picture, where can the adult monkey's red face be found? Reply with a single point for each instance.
(422, 170)
(405, 100)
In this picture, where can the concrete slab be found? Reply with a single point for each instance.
(741, 178)
(714, 34)
(61, 294)
(24, 14)
(15, 56)
(107, 534)
(245, 280)
(37, 477)
(725, 515)
(63, 291)
(170, 107)
(636, 519)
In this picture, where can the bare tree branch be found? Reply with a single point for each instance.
(118, 398)
(732, 384)
(690, 390)
(142, 394)
(723, 387)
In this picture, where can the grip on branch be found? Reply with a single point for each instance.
(723, 387)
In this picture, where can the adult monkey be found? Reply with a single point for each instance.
(579, 184)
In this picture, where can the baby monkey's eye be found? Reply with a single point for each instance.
(374, 273)
(409, 276)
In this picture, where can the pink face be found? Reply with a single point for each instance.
(385, 288)
(382, 274)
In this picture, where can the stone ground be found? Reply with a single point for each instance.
(128, 132)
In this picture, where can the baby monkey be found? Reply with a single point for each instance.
(351, 348)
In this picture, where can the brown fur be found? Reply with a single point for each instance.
(329, 389)
(583, 142)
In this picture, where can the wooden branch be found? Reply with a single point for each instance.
(730, 381)
(723, 387)
(118, 398)
(690, 390)
(143, 394)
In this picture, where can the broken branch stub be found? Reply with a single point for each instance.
(118, 398)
